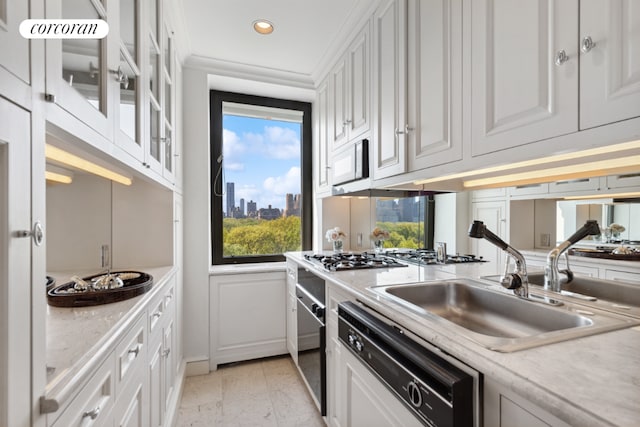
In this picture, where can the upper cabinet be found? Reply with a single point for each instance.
(82, 74)
(609, 61)
(542, 69)
(389, 93)
(434, 94)
(350, 90)
(418, 85)
(16, 63)
(524, 72)
(321, 153)
(121, 87)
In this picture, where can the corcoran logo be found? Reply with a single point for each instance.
(64, 28)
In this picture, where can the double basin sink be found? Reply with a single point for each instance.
(497, 319)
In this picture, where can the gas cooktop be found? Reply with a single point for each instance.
(428, 256)
(353, 261)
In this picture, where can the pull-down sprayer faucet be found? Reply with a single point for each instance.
(551, 273)
(518, 280)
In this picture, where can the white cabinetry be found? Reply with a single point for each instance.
(518, 93)
(493, 214)
(15, 58)
(503, 408)
(322, 147)
(292, 316)
(335, 402)
(389, 93)
(15, 265)
(434, 94)
(81, 73)
(260, 295)
(365, 400)
(160, 360)
(609, 61)
(541, 70)
(350, 86)
(417, 85)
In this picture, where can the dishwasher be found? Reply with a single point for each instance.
(438, 389)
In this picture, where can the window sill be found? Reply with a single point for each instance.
(263, 267)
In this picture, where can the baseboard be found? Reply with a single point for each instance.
(197, 367)
(248, 352)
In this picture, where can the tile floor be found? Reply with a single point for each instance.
(264, 392)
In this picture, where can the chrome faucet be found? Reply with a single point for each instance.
(551, 272)
(518, 280)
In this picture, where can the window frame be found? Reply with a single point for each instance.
(216, 100)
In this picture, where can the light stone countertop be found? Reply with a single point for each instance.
(79, 337)
(589, 381)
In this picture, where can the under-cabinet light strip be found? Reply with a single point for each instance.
(54, 153)
(601, 167)
(603, 196)
(57, 177)
(536, 162)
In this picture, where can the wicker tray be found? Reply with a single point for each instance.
(135, 283)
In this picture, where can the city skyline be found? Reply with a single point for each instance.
(262, 159)
(292, 206)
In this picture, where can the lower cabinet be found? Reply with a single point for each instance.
(135, 384)
(364, 400)
(94, 403)
(503, 408)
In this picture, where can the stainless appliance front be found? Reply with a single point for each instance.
(310, 295)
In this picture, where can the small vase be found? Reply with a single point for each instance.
(337, 246)
(378, 246)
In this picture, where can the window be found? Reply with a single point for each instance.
(408, 220)
(261, 191)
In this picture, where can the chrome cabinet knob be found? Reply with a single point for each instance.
(561, 57)
(587, 44)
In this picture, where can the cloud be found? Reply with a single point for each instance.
(281, 143)
(281, 185)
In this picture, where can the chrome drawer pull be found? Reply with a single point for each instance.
(157, 314)
(166, 352)
(134, 351)
(93, 414)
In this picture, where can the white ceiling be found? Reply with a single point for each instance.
(307, 32)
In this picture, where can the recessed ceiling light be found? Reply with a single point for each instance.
(263, 26)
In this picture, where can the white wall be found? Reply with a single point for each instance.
(197, 81)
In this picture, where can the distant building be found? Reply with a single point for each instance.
(242, 207)
(252, 209)
(231, 198)
(269, 213)
(292, 205)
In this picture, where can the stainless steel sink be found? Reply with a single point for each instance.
(609, 290)
(495, 319)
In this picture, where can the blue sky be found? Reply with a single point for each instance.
(262, 158)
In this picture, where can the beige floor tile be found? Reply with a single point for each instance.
(262, 393)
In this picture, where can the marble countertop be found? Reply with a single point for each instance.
(589, 381)
(79, 337)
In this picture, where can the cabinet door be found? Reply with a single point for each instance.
(359, 93)
(367, 402)
(493, 214)
(322, 137)
(610, 69)
(435, 82)
(81, 73)
(15, 261)
(12, 13)
(518, 92)
(131, 410)
(169, 366)
(389, 68)
(156, 399)
(338, 100)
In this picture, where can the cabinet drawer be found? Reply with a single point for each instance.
(92, 405)
(131, 352)
(623, 276)
(156, 311)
